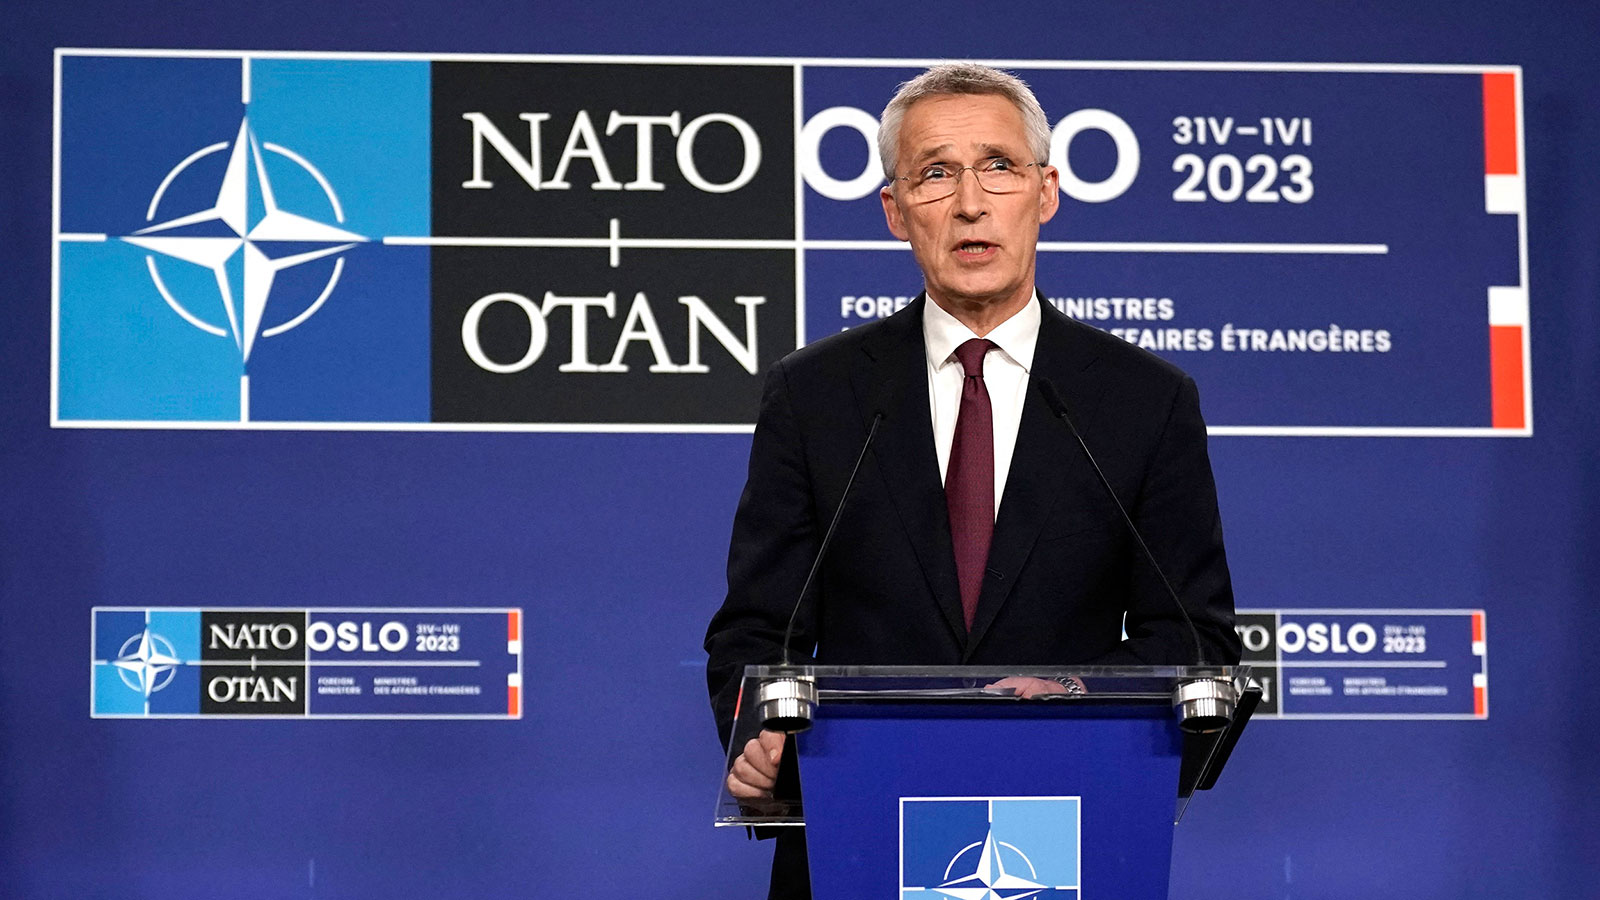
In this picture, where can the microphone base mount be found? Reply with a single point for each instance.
(787, 704)
(1205, 705)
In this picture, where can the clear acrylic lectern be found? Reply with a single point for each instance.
(927, 780)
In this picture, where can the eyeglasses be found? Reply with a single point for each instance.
(996, 175)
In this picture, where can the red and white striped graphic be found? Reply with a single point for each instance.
(514, 679)
(1480, 678)
(1504, 192)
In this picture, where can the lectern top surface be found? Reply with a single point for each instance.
(921, 692)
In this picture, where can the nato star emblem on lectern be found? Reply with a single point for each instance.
(989, 848)
(988, 878)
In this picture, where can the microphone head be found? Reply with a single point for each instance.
(1047, 390)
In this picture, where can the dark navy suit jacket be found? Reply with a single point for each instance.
(1063, 570)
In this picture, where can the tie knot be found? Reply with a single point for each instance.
(971, 356)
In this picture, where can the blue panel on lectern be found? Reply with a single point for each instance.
(916, 801)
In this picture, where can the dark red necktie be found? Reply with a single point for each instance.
(969, 478)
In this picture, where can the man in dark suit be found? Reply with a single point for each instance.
(976, 532)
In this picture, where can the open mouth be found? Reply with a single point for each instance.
(974, 248)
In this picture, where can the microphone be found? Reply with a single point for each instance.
(788, 632)
(1059, 407)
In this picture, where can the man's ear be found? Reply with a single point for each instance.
(891, 214)
(1049, 194)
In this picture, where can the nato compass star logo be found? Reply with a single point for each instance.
(245, 239)
(208, 204)
(987, 878)
(972, 848)
(147, 662)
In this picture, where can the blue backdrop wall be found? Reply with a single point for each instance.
(610, 542)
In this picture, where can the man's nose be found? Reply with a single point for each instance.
(972, 201)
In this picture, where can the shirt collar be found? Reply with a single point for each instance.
(1016, 337)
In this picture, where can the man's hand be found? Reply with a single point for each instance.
(755, 771)
(1029, 688)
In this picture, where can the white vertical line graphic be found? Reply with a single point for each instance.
(55, 251)
(94, 675)
(1077, 858)
(146, 678)
(1522, 254)
(305, 628)
(901, 843)
(799, 214)
(1277, 653)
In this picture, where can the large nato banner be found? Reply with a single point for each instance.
(382, 241)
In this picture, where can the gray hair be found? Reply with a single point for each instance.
(950, 79)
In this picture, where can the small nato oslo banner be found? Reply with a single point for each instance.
(325, 663)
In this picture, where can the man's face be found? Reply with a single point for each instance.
(975, 248)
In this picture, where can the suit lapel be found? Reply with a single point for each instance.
(1043, 465)
(893, 379)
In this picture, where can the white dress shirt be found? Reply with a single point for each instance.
(1005, 373)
